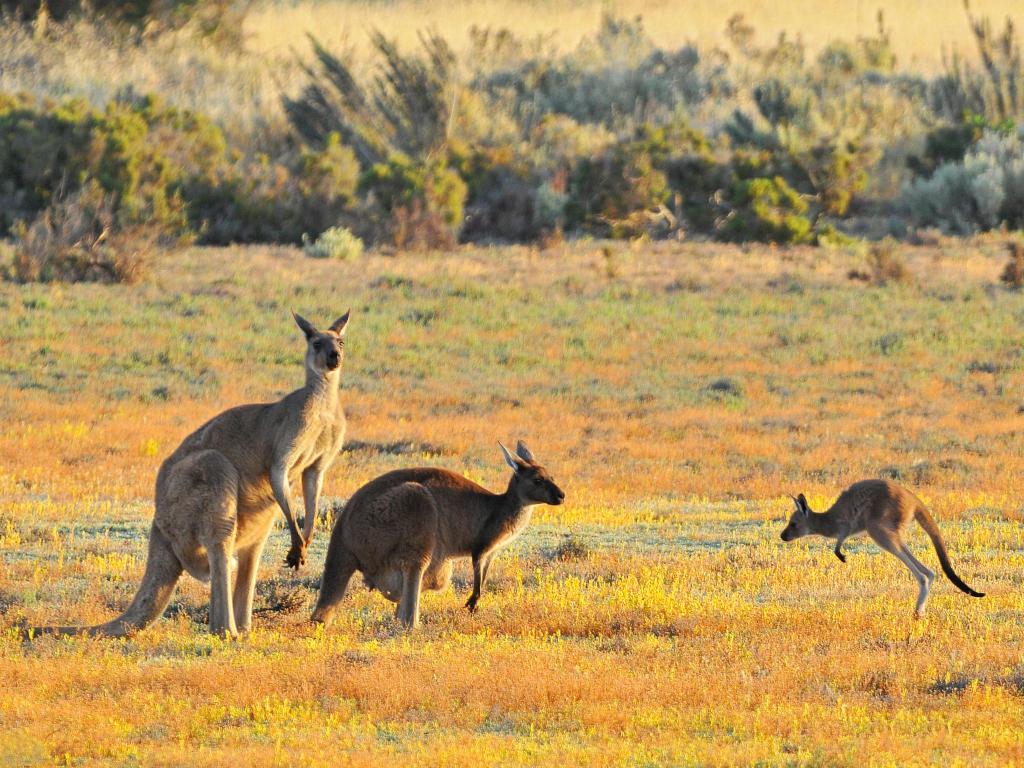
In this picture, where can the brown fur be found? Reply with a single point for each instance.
(216, 494)
(403, 528)
(884, 510)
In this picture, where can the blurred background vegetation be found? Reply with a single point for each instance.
(127, 127)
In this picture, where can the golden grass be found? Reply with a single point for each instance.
(919, 29)
(675, 630)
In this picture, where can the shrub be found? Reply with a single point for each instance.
(78, 239)
(549, 211)
(139, 153)
(558, 142)
(996, 92)
(415, 227)
(503, 206)
(167, 168)
(7, 255)
(616, 78)
(1013, 272)
(838, 170)
(624, 179)
(428, 198)
(841, 59)
(768, 210)
(885, 265)
(947, 144)
(407, 110)
(334, 243)
(263, 201)
(982, 192)
(218, 18)
(399, 128)
(500, 196)
(570, 548)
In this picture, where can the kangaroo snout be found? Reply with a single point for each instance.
(557, 497)
(333, 361)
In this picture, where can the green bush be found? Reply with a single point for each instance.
(260, 200)
(335, 243)
(502, 195)
(838, 171)
(558, 142)
(218, 18)
(428, 195)
(767, 210)
(141, 154)
(621, 181)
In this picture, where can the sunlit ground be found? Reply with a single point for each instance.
(676, 392)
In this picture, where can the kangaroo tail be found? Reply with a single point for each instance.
(158, 582)
(925, 521)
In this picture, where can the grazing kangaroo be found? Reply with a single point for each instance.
(403, 528)
(883, 509)
(216, 494)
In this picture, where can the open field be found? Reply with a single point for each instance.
(676, 392)
(920, 30)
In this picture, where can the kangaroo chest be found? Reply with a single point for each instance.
(510, 528)
(319, 439)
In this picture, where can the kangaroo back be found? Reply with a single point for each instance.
(925, 521)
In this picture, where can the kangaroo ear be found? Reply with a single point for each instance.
(801, 502)
(524, 452)
(339, 325)
(509, 458)
(304, 324)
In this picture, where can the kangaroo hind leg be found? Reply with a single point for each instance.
(412, 584)
(245, 585)
(414, 554)
(924, 576)
(198, 510)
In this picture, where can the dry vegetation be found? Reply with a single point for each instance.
(277, 29)
(677, 393)
(417, 126)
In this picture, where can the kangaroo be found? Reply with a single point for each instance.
(216, 494)
(403, 528)
(883, 509)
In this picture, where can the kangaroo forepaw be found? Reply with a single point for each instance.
(296, 557)
(471, 604)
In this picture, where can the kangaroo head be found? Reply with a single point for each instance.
(530, 481)
(799, 521)
(324, 349)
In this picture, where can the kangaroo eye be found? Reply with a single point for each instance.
(317, 346)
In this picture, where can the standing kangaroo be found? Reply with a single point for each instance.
(883, 509)
(216, 494)
(403, 528)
